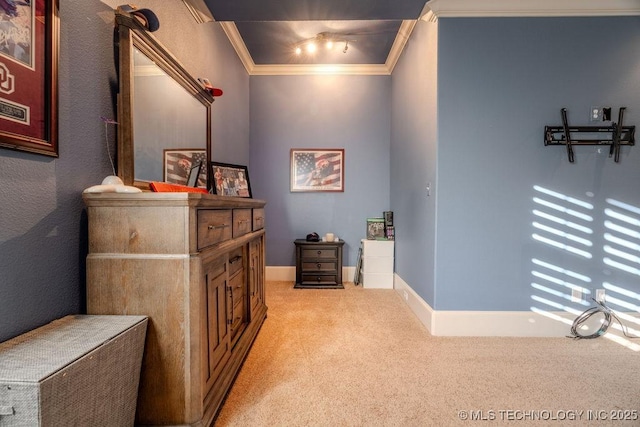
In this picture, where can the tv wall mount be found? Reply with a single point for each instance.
(615, 135)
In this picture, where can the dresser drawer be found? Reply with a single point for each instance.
(317, 253)
(236, 261)
(214, 226)
(241, 222)
(258, 219)
(309, 266)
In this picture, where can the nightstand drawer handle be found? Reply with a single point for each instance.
(215, 227)
(242, 221)
(235, 259)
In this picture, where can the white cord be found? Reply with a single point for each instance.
(106, 139)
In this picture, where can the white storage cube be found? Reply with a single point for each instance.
(377, 264)
(383, 248)
(377, 281)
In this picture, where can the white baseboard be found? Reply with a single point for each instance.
(483, 323)
(493, 323)
(280, 274)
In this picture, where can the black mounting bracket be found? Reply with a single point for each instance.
(614, 136)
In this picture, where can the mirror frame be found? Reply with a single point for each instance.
(131, 35)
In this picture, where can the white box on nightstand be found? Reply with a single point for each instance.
(377, 264)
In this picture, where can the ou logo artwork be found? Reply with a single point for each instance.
(6, 80)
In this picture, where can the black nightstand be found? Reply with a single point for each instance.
(318, 265)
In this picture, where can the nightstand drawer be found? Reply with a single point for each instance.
(214, 226)
(309, 266)
(241, 222)
(319, 279)
(311, 253)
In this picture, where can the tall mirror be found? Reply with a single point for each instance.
(164, 114)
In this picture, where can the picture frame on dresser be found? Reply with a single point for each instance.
(194, 174)
(178, 163)
(29, 84)
(317, 170)
(230, 180)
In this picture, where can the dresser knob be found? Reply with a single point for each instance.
(318, 278)
(319, 265)
(319, 252)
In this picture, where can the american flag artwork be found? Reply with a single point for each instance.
(177, 164)
(317, 170)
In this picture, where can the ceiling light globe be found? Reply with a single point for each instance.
(329, 44)
(298, 51)
(311, 47)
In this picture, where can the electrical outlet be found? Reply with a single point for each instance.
(595, 114)
(576, 295)
(600, 295)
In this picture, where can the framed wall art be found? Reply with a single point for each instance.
(179, 162)
(317, 170)
(230, 180)
(29, 76)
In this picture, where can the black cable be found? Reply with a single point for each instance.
(608, 315)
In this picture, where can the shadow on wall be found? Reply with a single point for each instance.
(566, 225)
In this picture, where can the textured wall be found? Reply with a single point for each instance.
(42, 224)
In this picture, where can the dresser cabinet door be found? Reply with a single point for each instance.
(217, 348)
(256, 274)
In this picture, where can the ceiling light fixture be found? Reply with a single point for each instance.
(329, 40)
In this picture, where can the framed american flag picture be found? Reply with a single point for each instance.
(317, 170)
(178, 164)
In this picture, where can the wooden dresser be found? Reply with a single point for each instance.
(194, 264)
(319, 264)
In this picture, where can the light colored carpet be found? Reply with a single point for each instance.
(359, 357)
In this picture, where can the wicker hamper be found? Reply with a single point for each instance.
(75, 371)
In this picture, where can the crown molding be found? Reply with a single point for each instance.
(533, 8)
(406, 28)
(199, 10)
(235, 38)
(324, 69)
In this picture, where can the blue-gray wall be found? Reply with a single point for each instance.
(350, 112)
(500, 81)
(414, 154)
(42, 225)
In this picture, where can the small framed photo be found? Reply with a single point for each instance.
(317, 170)
(178, 164)
(230, 180)
(194, 173)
